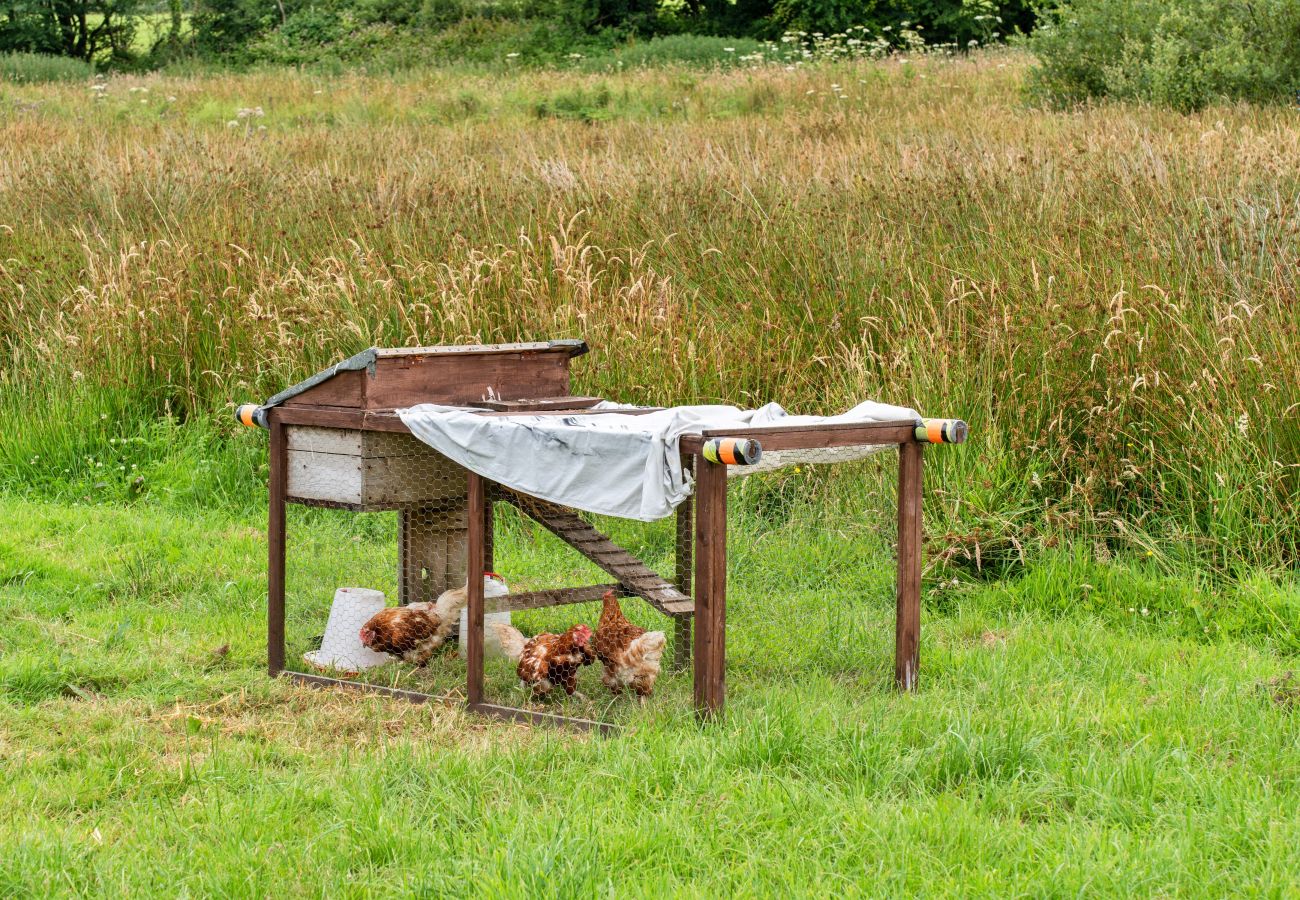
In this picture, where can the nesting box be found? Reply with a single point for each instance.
(342, 449)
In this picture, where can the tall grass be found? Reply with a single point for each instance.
(38, 68)
(1107, 295)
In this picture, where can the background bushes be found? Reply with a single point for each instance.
(1182, 55)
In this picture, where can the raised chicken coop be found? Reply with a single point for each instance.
(396, 473)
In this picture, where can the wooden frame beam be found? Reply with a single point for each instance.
(812, 437)
(485, 709)
(277, 490)
(907, 622)
(701, 564)
(476, 553)
(710, 587)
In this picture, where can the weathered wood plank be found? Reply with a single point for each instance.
(474, 563)
(322, 681)
(505, 713)
(634, 575)
(811, 437)
(907, 626)
(314, 439)
(391, 480)
(326, 476)
(355, 442)
(373, 478)
(346, 389)
(685, 545)
(421, 556)
(710, 587)
(404, 381)
(533, 717)
(545, 598)
(275, 539)
(537, 404)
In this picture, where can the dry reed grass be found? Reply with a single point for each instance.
(1108, 295)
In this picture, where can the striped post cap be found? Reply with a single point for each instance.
(733, 451)
(941, 431)
(250, 415)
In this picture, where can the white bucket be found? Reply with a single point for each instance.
(491, 646)
(341, 648)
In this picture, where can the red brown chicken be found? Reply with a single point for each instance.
(414, 632)
(630, 653)
(548, 659)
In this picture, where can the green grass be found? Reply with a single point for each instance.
(1053, 747)
(1111, 603)
(39, 68)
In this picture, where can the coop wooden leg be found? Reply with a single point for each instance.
(682, 624)
(489, 536)
(275, 538)
(474, 562)
(421, 550)
(710, 587)
(907, 627)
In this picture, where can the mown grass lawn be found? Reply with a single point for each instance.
(1050, 751)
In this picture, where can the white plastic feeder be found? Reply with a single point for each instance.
(341, 648)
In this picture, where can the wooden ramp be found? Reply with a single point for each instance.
(634, 576)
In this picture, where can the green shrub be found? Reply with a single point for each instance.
(1184, 55)
(34, 68)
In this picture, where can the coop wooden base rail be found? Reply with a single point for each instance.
(532, 717)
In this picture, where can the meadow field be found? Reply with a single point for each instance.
(1111, 614)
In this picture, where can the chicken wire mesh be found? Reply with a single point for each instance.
(810, 569)
(386, 518)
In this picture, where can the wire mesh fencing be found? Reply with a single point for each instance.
(377, 533)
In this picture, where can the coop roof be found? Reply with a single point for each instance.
(367, 360)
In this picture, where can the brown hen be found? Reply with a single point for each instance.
(414, 632)
(548, 659)
(630, 653)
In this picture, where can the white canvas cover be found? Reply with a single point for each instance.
(612, 464)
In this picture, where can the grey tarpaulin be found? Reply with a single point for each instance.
(616, 465)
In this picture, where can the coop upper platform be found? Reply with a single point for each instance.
(505, 412)
(482, 375)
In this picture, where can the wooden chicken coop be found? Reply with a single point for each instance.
(337, 441)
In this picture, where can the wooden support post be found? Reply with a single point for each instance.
(422, 554)
(907, 626)
(476, 546)
(489, 535)
(710, 587)
(685, 544)
(277, 490)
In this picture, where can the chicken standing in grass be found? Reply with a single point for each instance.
(548, 659)
(414, 632)
(630, 653)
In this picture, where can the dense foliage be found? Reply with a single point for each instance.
(1183, 55)
(402, 33)
(82, 29)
